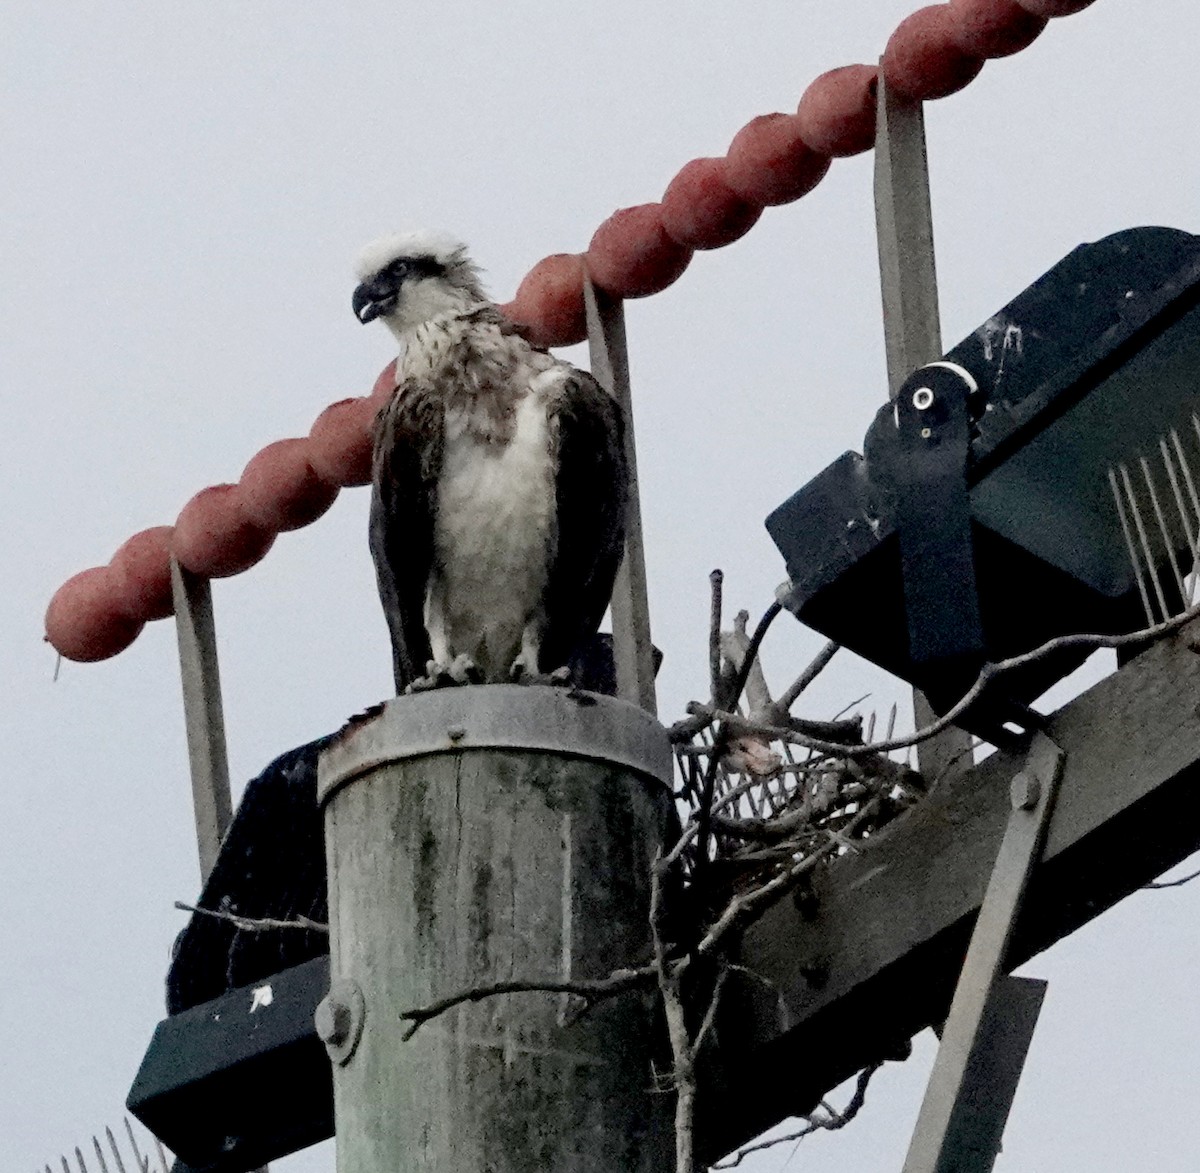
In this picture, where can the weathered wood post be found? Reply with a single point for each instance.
(479, 835)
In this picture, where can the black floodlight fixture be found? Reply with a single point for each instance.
(233, 1083)
(1040, 480)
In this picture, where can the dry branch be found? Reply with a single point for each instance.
(255, 924)
(818, 665)
(829, 1121)
(590, 992)
(1179, 883)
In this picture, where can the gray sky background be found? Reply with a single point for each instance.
(186, 187)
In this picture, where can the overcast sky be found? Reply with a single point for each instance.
(185, 188)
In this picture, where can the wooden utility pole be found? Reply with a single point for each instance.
(478, 836)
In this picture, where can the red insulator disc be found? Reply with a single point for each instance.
(341, 439)
(993, 28)
(700, 210)
(837, 112)
(386, 383)
(548, 306)
(923, 61)
(280, 489)
(215, 538)
(631, 255)
(769, 162)
(89, 617)
(142, 567)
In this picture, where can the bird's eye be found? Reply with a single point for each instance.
(398, 270)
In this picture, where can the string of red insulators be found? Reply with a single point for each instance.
(774, 159)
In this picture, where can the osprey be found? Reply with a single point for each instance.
(499, 480)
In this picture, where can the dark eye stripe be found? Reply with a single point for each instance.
(405, 267)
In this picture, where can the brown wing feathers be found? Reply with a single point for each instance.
(405, 469)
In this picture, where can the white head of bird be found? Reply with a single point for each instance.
(408, 278)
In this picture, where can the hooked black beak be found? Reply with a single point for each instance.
(371, 299)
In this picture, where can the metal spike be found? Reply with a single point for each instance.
(66, 1167)
(1143, 541)
(1186, 468)
(100, 1155)
(142, 1164)
(871, 727)
(1160, 517)
(1185, 517)
(891, 726)
(1130, 545)
(1190, 480)
(162, 1157)
(116, 1152)
(79, 1158)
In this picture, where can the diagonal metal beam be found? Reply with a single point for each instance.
(957, 1128)
(632, 648)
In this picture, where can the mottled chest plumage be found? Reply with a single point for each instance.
(497, 506)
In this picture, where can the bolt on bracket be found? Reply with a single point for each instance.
(339, 1019)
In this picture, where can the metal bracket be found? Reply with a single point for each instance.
(202, 712)
(911, 325)
(992, 1017)
(917, 452)
(632, 647)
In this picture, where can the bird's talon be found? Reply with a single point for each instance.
(521, 673)
(464, 671)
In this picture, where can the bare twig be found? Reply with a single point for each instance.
(747, 906)
(987, 674)
(710, 1015)
(683, 1055)
(1179, 883)
(806, 677)
(990, 671)
(715, 579)
(591, 992)
(828, 1120)
(255, 924)
(839, 732)
(726, 800)
(687, 729)
(704, 832)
